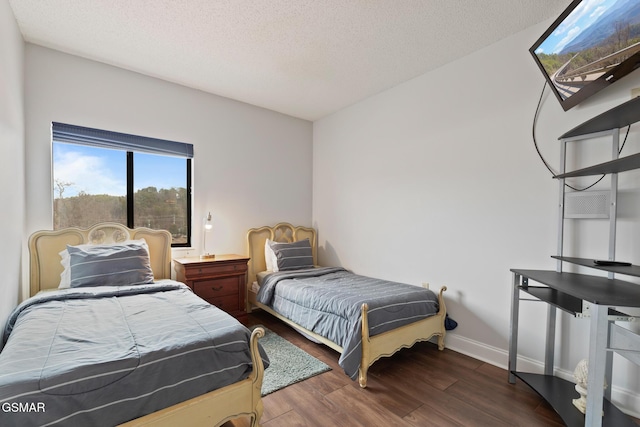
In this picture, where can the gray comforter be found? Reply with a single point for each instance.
(103, 356)
(328, 301)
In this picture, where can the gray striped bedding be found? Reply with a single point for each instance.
(100, 356)
(328, 301)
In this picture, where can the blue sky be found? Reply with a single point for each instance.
(582, 16)
(102, 171)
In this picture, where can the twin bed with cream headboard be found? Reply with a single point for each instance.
(376, 317)
(145, 354)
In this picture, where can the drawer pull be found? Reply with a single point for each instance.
(216, 288)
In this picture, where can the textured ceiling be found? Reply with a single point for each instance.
(304, 58)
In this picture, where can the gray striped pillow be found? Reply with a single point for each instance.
(292, 256)
(110, 265)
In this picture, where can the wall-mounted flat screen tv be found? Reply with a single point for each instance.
(593, 44)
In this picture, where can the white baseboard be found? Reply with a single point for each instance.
(626, 400)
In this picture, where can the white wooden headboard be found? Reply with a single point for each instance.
(281, 232)
(45, 246)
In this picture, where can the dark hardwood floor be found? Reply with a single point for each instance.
(420, 386)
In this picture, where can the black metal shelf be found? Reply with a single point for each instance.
(631, 270)
(623, 115)
(557, 299)
(559, 393)
(564, 302)
(622, 164)
(593, 289)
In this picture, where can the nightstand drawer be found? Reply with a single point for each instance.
(216, 287)
(228, 303)
(215, 270)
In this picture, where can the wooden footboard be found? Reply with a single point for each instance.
(387, 343)
(219, 406)
(381, 345)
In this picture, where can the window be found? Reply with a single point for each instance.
(132, 180)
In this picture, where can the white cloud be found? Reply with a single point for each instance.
(596, 13)
(566, 39)
(86, 173)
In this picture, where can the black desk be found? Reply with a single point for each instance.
(568, 291)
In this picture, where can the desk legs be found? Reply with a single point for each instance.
(598, 337)
(550, 345)
(513, 333)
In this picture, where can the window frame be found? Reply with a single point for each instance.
(96, 138)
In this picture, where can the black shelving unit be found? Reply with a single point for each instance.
(583, 295)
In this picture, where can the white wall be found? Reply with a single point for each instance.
(252, 166)
(437, 180)
(12, 172)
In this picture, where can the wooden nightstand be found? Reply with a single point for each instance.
(221, 281)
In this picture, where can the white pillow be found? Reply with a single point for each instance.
(270, 257)
(65, 276)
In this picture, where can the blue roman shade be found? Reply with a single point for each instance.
(121, 141)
